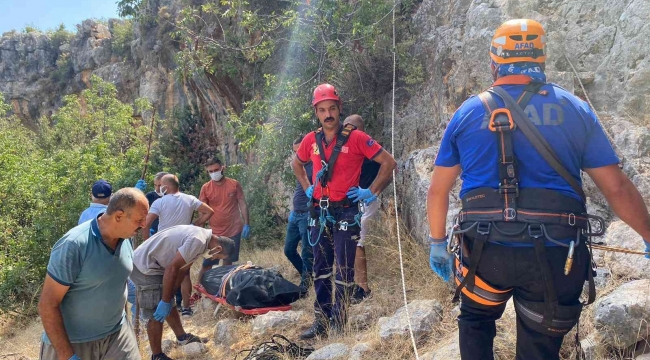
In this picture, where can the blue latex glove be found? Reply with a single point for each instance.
(310, 191)
(162, 311)
(246, 232)
(360, 194)
(141, 185)
(74, 357)
(440, 259)
(647, 249)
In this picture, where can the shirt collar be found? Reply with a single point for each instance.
(96, 205)
(513, 80)
(94, 227)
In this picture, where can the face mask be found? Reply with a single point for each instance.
(163, 191)
(160, 193)
(217, 175)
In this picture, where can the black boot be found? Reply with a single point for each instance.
(305, 284)
(318, 328)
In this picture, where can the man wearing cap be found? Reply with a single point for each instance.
(100, 195)
(337, 153)
(83, 297)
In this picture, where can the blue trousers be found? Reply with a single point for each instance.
(335, 247)
(297, 233)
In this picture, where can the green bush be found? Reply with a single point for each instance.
(122, 37)
(59, 36)
(46, 179)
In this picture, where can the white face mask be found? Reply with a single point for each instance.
(160, 193)
(217, 175)
(163, 191)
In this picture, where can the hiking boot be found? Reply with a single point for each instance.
(191, 338)
(160, 356)
(359, 295)
(318, 328)
(187, 313)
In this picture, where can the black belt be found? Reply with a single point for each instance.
(300, 211)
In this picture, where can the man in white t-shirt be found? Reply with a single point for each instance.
(177, 208)
(159, 264)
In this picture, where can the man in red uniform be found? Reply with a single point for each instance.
(226, 197)
(337, 153)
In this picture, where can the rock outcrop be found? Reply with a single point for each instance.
(621, 317)
(598, 38)
(423, 316)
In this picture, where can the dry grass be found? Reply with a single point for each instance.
(385, 282)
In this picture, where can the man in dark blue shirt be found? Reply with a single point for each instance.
(297, 232)
(369, 171)
(525, 218)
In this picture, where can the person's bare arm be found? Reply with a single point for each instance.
(300, 172)
(52, 319)
(243, 206)
(205, 213)
(623, 197)
(442, 181)
(174, 274)
(146, 230)
(385, 174)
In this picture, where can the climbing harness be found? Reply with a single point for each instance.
(276, 349)
(323, 217)
(511, 214)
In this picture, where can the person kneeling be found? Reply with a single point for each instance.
(160, 265)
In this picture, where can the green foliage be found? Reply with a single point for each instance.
(121, 38)
(299, 45)
(31, 28)
(60, 35)
(46, 180)
(64, 70)
(187, 143)
(128, 8)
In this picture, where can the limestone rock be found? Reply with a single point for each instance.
(330, 352)
(449, 350)
(207, 304)
(588, 346)
(424, 315)
(225, 333)
(361, 317)
(621, 317)
(167, 345)
(275, 321)
(621, 235)
(194, 349)
(357, 352)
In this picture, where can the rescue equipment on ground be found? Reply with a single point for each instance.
(249, 289)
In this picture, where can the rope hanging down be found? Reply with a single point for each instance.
(399, 239)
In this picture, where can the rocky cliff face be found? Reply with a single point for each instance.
(35, 73)
(600, 39)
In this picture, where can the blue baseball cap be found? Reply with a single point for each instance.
(102, 189)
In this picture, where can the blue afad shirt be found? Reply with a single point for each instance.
(93, 307)
(565, 121)
(91, 212)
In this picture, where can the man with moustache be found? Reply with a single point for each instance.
(87, 271)
(337, 153)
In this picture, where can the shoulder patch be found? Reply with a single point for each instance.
(371, 142)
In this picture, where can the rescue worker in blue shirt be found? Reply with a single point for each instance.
(506, 251)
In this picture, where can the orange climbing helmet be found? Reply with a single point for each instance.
(521, 40)
(324, 92)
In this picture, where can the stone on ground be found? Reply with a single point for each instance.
(274, 321)
(424, 315)
(194, 349)
(358, 350)
(225, 332)
(167, 345)
(622, 316)
(620, 235)
(330, 352)
(449, 350)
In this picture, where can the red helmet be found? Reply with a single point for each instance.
(324, 92)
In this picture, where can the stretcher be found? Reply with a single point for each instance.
(222, 301)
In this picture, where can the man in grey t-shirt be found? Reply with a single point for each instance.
(176, 208)
(160, 265)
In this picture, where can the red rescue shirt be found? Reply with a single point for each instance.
(348, 165)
